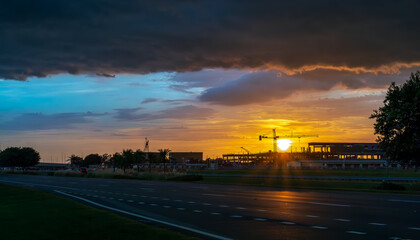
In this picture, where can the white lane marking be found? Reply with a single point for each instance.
(140, 202)
(284, 213)
(215, 213)
(211, 194)
(153, 204)
(178, 200)
(120, 199)
(288, 223)
(223, 206)
(126, 194)
(191, 202)
(260, 219)
(377, 224)
(355, 232)
(261, 210)
(330, 204)
(319, 227)
(134, 195)
(180, 208)
(154, 197)
(402, 200)
(111, 198)
(198, 211)
(236, 216)
(143, 196)
(166, 199)
(207, 204)
(342, 220)
(241, 208)
(130, 200)
(148, 218)
(414, 228)
(312, 216)
(166, 206)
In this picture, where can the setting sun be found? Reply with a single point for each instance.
(283, 144)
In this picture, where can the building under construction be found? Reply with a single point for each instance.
(316, 155)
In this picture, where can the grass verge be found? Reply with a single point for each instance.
(332, 185)
(31, 214)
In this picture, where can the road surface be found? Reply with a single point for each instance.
(236, 212)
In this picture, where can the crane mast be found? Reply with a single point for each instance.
(275, 137)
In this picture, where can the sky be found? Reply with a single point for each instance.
(80, 77)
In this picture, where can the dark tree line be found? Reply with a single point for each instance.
(122, 160)
(23, 157)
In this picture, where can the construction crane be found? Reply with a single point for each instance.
(246, 150)
(275, 137)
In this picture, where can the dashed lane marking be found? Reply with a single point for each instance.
(148, 218)
(180, 208)
(342, 220)
(261, 210)
(224, 206)
(215, 213)
(312, 216)
(414, 228)
(191, 202)
(402, 200)
(236, 216)
(130, 200)
(288, 223)
(166, 206)
(241, 208)
(120, 199)
(207, 204)
(319, 227)
(377, 224)
(260, 219)
(284, 213)
(140, 202)
(355, 232)
(211, 194)
(153, 204)
(330, 204)
(198, 211)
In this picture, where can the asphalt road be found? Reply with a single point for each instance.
(236, 212)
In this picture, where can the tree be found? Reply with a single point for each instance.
(398, 122)
(139, 158)
(164, 155)
(116, 160)
(128, 158)
(92, 159)
(19, 157)
(75, 160)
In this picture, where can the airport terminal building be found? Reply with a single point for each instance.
(317, 155)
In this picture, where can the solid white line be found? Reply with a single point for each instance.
(147, 218)
(342, 220)
(330, 204)
(377, 224)
(355, 232)
(400, 200)
(288, 223)
(211, 194)
(414, 228)
(319, 227)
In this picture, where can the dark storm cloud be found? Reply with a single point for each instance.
(44, 37)
(189, 112)
(259, 87)
(40, 121)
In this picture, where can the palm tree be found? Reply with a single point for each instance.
(164, 155)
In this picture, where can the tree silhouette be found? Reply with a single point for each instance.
(398, 122)
(139, 158)
(164, 156)
(19, 157)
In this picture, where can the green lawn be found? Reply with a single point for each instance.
(320, 172)
(334, 185)
(29, 214)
